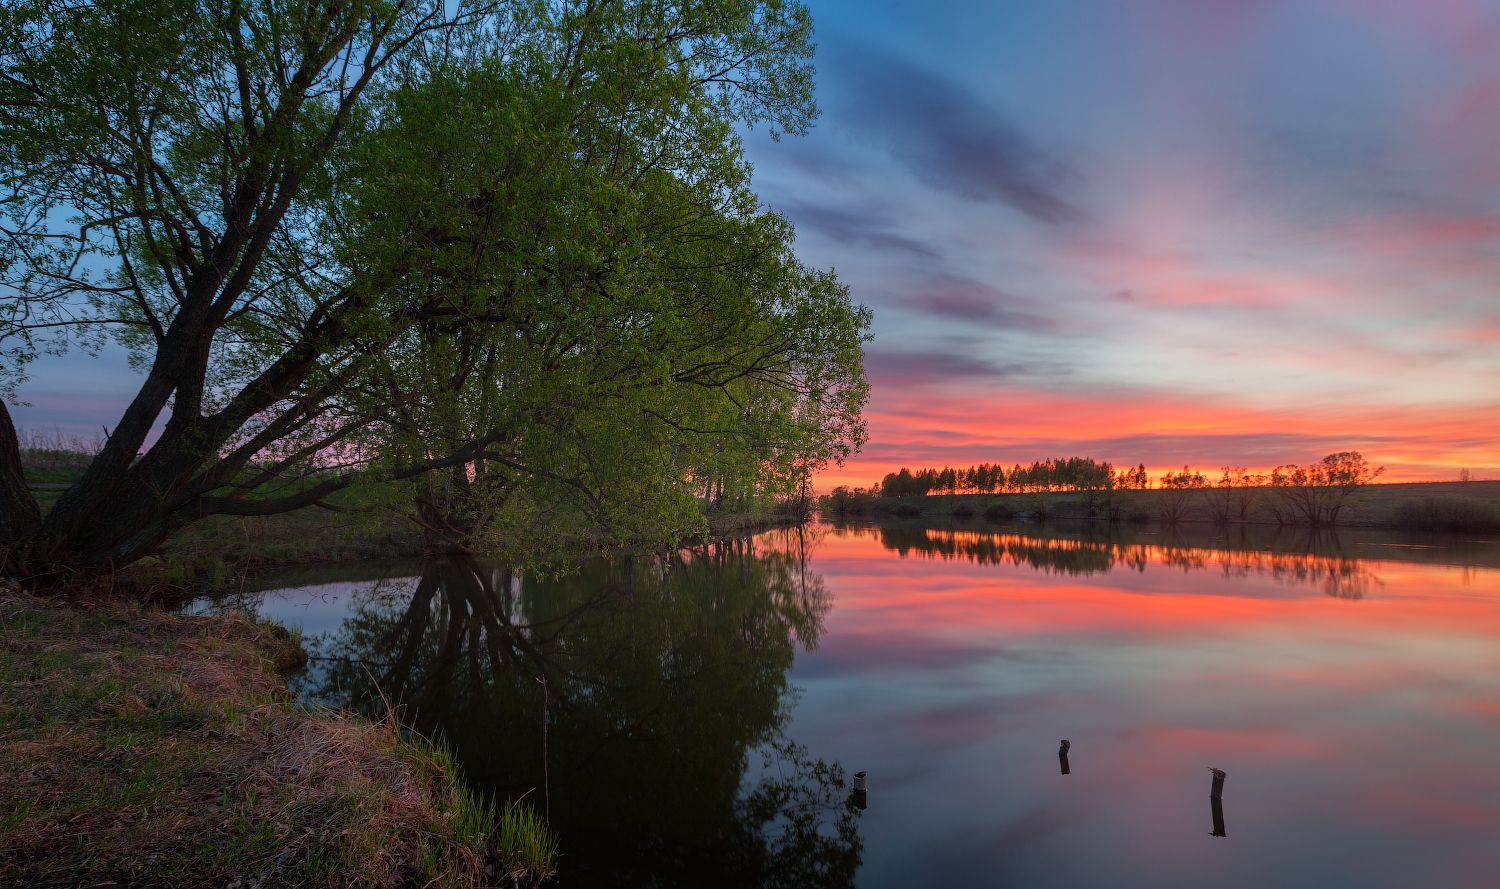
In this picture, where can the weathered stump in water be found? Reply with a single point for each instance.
(860, 797)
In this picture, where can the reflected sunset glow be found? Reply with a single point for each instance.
(955, 657)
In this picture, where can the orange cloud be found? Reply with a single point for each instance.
(1010, 424)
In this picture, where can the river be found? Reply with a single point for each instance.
(699, 723)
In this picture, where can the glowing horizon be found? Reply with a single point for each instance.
(1168, 233)
(940, 432)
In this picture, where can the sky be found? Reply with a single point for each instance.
(1237, 233)
(1171, 232)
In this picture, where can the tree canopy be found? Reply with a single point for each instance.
(1053, 474)
(506, 253)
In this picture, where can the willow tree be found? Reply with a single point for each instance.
(383, 239)
(645, 332)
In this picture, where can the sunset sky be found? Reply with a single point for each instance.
(1162, 231)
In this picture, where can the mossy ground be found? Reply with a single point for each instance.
(147, 749)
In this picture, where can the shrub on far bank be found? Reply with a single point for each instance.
(1040, 506)
(1000, 511)
(1447, 513)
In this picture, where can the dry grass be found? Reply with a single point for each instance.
(1448, 512)
(148, 749)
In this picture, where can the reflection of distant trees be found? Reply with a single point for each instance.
(1042, 553)
(1292, 556)
(659, 682)
(1313, 557)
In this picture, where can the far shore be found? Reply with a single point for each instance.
(1471, 505)
(220, 554)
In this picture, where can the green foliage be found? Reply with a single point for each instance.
(514, 833)
(506, 254)
(844, 500)
(647, 331)
(525, 840)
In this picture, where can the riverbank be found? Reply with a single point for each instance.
(191, 569)
(150, 749)
(221, 552)
(1410, 506)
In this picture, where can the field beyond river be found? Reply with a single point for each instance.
(1418, 506)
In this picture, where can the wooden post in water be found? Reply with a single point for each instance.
(1062, 756)
(860, 797)
(1216, 807)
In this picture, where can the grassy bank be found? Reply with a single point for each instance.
(1415, 506)
(366, 524)
(148, 749)
(220, 552)
(737, 524)
(214, 552)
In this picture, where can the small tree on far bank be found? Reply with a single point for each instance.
(1133, 479)
(1236, 494)
(1177, 491)
(1317, 493)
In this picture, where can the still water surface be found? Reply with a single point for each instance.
(703, 720)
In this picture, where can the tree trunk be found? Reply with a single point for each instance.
(19, 514)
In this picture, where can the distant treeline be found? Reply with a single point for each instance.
(1314, 494)
(1061, 474)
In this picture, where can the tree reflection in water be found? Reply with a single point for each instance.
(1293, 556)
(663, 683)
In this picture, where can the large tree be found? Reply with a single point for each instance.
(512, 245)
(1317, 493)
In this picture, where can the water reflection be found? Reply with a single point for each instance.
(1347, 723)
(644, 704)
(1291, 556)
(672, 696)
